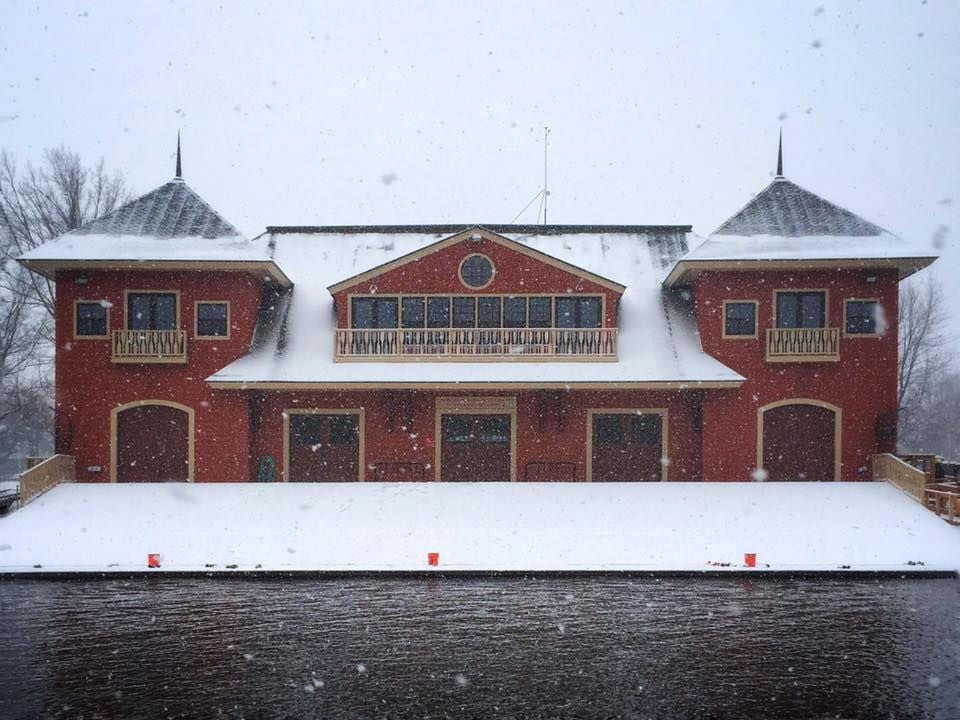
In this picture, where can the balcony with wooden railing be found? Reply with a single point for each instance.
(803, 344)
(581, 344)
(149, 346)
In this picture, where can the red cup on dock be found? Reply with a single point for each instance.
(750, 559)
(433, 559)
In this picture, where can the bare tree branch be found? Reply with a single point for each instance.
(924, 357)
(37, 204)
(41, 202)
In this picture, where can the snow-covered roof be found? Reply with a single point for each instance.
(169, 227)
(789, 226)
(658, 342)
(785, 209)
(74, 246)
(172, 210)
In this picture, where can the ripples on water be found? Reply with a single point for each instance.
(480, 648)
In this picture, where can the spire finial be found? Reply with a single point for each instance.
(179, 169)
(780, 156)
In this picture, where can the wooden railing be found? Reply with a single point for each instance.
(943, 499)
(924, 462)
(43, 476)
(897, 472)
(149, 346)
(32, 460)
(944, 502)
(476, 344)
(803, 344)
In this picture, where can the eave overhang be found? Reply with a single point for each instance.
(263, 268)
(473, 386)
(685, 271)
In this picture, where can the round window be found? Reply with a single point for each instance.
(476, 271)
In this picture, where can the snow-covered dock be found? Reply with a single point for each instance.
(374, 527)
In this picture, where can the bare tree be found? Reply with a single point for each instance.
(41, 202)
(19, 343)
(934, 429)
(38, 203)
(25, 387)
(923, 354)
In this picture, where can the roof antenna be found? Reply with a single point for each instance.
(179, 174)
(546, 137)
(780, 156)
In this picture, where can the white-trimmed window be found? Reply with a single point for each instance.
(90, 319)
(862, 317)
(801, 309)
(387, 312)
(740, 319)
(213, 319)
(152, 310)
(373, 313)
(579, 312)
(476, 271)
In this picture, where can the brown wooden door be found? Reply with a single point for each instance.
(627, 447)
(475, 448)
(324, 448)
(153, 444)
(798, 443)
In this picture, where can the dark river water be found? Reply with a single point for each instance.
(480, 648)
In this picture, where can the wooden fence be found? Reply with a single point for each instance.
(45, 475)
(945, 503)
(32, 461)
(924, 462)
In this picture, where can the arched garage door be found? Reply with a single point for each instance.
(152, 442)
(800, 440)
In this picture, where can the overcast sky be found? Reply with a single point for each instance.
(668, 112)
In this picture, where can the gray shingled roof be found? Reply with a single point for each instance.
(171, 211)
(787, 210)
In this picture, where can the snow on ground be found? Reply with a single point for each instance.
(477, 527)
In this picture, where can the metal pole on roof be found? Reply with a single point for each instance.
(546, 134)
(179, 169)
(780, 155)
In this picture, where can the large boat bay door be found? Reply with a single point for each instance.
(324, 446)
(476, 439)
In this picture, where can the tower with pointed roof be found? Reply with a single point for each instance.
(799, 295)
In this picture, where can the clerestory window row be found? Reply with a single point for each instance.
(476, 311)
